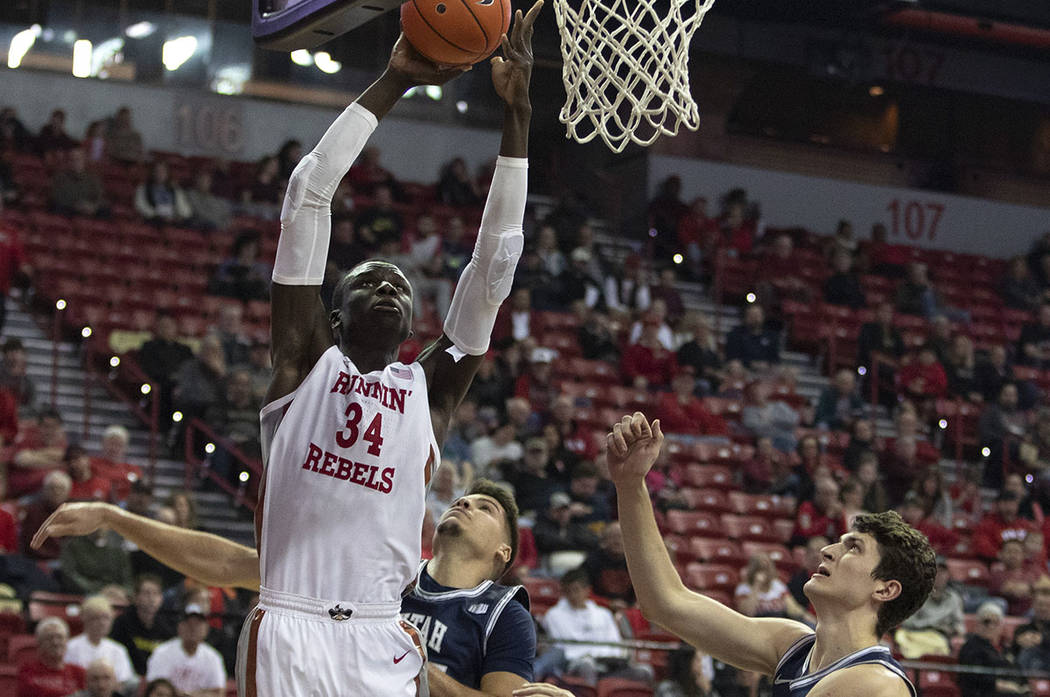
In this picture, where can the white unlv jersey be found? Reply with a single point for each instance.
(347, 462)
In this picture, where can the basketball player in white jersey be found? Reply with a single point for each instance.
(870, 581)
(349, 435)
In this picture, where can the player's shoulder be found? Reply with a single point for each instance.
(863, 680)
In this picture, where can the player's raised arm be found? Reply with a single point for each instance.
(210, 559)
(450, 363)
(299, 328)
(745, 642)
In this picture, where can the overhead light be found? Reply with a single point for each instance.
(434, 92)
(86, 332)
(876, 91)
(140, 30)
(461, 106)
(325, 64)
(230, 79)
(302, 57)
(82, 58)
(107, 53)
(114, 361)
(20, 45)
(177, 51)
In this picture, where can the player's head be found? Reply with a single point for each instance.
(883, 564)
(486, 517)
(372, 304)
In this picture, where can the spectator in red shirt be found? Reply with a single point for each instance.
(923, 379)
(697, 234)
(12, 262)
(995, 528)
(8, 525)
(886, 259)
(823, 515)
(1012, 579)
(112, 462)
(737, 232)
(535, 385)
(647, 363)
(54, 493)
(38, 449)
(87, 486)
(48, 675)
(574, 438)
(681, 412)
(911, 510)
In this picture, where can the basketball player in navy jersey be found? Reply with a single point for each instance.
(479, 634)
(869, 581)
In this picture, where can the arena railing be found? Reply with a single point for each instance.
(249, 469)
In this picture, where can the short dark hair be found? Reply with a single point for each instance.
(342, 283)
(576, 575)
(586, 468)
(905, 556)
(13, 344)
(147, 578)
(487, 487)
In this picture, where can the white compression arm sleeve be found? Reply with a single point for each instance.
(486, 280)
(306, 216)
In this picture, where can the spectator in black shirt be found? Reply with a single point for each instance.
(1018, 289)
(53, 137)
(982, 649)
(141, 628)
(596, 336)
(701, 352)
(13, 134)
(556, 531)
(960, 367)
(455, 187)
(161, 357)
(751, 343)
(992, 372)
(843, 287)
(576, 283)
(607, 569)
(880, 341)
(1033, 348)
(382, 222)
(347, 249)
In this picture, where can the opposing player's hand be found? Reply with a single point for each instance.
(71, 520)
(512, 71)
(540, 689)
(412, 68)
(633, 446)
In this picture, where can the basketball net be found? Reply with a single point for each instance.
(625, 65)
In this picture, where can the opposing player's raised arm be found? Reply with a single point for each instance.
(450, 363)
(300, 329)
(210, 559)
(748, 643)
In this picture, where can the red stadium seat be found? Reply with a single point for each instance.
(694, 523)
(702, 577)
(543, 592)
(21, 648)
(1040, 687)
(754, 504)
(937, 683)
(577, 686)
(62, 605)
(707, 500)
(968, 571)
(705, 476)
(721, 551)
(8, 679)
(780, 554)
(618, 687)
(755, 528)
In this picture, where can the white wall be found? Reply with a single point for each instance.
(169, 118)
(923, 218)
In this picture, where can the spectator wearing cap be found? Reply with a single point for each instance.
(982, 649)
(533, 479)
(1003, 524)
(556, 531)
(648, 364)
(756, 347)
(53, 494)
(1011, 579)
(14, 375)
(191, 665)
(87, 486)
(577, 284)
(536, 384)
(933, 626)
(38, 449)
(49, 675)
(94, 643)
(112, 463)
(682, 412)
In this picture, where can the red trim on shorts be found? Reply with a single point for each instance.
(417, 641)
(250, 689)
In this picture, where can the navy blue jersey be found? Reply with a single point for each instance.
(793, 679)
(470, 632)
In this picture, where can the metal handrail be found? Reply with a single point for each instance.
(197, 466)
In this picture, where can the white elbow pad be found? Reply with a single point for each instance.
(306, 223)
(486, 281)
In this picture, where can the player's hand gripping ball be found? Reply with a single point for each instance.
(455, 32)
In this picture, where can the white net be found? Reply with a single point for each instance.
(626, 68)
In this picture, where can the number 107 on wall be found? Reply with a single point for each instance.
(915, 219)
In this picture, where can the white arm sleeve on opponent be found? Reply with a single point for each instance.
(306, 215)
(486, 280)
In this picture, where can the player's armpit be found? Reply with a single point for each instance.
(299, 334)
(867, 680)
(447, 381)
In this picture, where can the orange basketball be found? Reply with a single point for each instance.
(455, 32)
